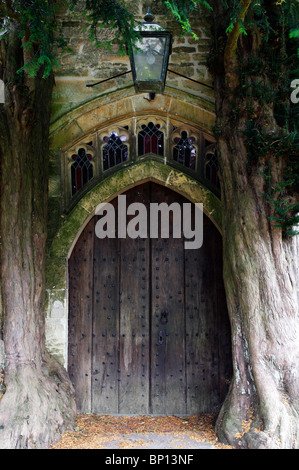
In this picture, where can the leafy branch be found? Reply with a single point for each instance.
(113, 15)
(39, 28)
(182, 9)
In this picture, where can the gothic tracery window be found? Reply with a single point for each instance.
(109, 148)
(150, 140)
(115, 151)
(81, 169)
(184, 152)
(211, 165)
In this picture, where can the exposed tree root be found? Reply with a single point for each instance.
(36, 407)
(252, 427)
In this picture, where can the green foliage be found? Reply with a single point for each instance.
(260, 143)
(262, 96)
(286, 212)
(39, 29)
(113, 15)
(232, 9)
(266, 79)
(292, 10)
(294, 34)
(282, 196)
(40, 33)
(182, 10)
(37, 25)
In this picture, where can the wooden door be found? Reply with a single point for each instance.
(148, 326)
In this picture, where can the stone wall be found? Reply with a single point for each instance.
(88, 64)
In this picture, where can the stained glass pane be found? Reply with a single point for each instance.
(115, 151)
(185, 152)
(81, 170)
(150, 140)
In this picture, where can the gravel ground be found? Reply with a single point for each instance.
(141, 432)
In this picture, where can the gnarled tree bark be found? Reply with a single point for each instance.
(261, 272)
(261, 279)
(38, 402)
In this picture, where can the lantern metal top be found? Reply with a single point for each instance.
(149, 17)
(149, 24)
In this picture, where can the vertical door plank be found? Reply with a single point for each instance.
(202, 354)
(168, 322)
(195, 312)
(105, 358)
(80, 317)
(134, 318)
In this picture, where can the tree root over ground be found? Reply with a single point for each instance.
(36, 406)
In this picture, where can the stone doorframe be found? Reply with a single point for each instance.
(80, 122)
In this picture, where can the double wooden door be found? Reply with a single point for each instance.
(148, 325)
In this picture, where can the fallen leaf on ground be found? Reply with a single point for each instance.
(93, 431)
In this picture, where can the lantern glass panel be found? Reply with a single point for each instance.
(149, 58)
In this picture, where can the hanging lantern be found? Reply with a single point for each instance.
(150, 55)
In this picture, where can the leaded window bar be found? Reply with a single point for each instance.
(150, 140)
(211, 164)
(115, 151)
(185, 152)
(81, 169)
(114, 147)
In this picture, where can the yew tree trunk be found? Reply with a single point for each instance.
(261, 280)
(38, 402)
(261, 272)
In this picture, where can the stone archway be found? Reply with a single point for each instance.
(108, 189)
(124, 103)
(74, 223)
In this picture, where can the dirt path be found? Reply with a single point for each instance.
(141, 432)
